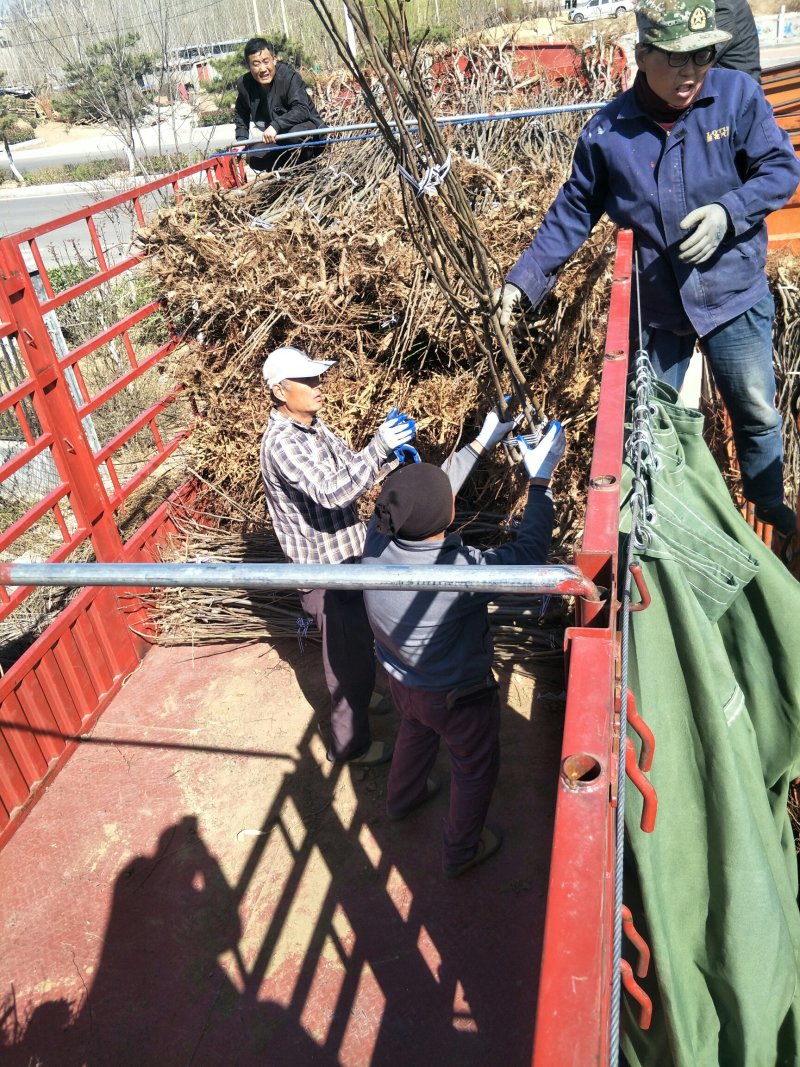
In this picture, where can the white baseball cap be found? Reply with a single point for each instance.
(290, 362)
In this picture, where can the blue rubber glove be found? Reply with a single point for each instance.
(405, 452)
(540, 462)
(395, 431)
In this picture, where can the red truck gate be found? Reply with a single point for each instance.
(49, 408)
(61, 684)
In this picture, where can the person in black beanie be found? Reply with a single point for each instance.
(437, 649)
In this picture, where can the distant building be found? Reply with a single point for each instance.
(196, 59)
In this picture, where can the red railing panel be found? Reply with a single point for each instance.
(71, 671)
(572, 1021)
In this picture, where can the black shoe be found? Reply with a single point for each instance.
(780, 517)
(488, 843)
(377, 753)
(432, 787)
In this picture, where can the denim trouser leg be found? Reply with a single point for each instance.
(670, 353)
(740, 356)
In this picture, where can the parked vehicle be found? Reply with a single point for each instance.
(582, 10)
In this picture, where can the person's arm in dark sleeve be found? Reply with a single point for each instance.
(535, 533)
(571, 218)
(743, 51)
(766, 161)
(241, 112)
(726, 21)
(296, 101)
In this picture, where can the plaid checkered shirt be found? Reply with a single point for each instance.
(312, 481)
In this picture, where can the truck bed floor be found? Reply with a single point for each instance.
(200, 886)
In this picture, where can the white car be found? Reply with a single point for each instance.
(582, 10)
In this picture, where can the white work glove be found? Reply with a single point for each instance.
(396, 430)
(493, 431)
(710, 226)
(508, 297)
(540, 462)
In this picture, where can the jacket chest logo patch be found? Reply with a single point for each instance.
(718, 135)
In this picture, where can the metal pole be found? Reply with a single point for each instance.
(558, 580)
(444, 120)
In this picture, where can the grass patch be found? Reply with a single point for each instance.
(215, 118)
(91, 170)
(166, 164)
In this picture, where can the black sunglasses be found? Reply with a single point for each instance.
(701, 57)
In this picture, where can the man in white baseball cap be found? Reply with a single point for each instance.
(312, 480)
(290, 362)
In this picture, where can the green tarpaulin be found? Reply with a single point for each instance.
(715, 668)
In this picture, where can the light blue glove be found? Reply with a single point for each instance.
(708, 224)
(540, 462)
(493, 430)
(396, 430)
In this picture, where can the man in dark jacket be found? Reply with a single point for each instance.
(273, 98)
(742, 52)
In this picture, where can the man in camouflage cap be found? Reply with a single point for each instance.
(678, 27)
(691, 159)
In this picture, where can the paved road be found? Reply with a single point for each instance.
(158, 140)
(24, 209)
(777, 57)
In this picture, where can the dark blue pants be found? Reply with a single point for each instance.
(470, 729)
(740, 357)
(348, 657)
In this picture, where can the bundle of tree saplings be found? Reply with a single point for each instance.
(320, 256)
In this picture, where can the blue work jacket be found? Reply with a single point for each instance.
(726, 148)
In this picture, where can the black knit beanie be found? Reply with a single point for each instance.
(416, 502)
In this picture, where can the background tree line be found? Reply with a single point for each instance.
(42, 38)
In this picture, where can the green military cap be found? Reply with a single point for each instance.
(678, 25)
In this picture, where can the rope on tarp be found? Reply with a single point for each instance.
(640, 453)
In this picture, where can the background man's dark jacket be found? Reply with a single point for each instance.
(742, 51)
(287, 103)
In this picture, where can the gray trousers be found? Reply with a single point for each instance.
(348, 656)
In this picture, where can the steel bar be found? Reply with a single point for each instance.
(557, 580)
(441, 120)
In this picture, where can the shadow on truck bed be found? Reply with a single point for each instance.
(199, 886)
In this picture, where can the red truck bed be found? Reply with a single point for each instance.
(201, 886)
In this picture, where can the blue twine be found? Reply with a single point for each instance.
(303, 625)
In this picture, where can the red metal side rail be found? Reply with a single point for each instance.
(781, 87)
(572, 1022)
(59, 686)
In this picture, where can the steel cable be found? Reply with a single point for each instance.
(639, 449)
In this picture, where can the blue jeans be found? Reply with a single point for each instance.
(740, 357)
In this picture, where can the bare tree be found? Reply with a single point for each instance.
(8, 121)
(106, 87)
